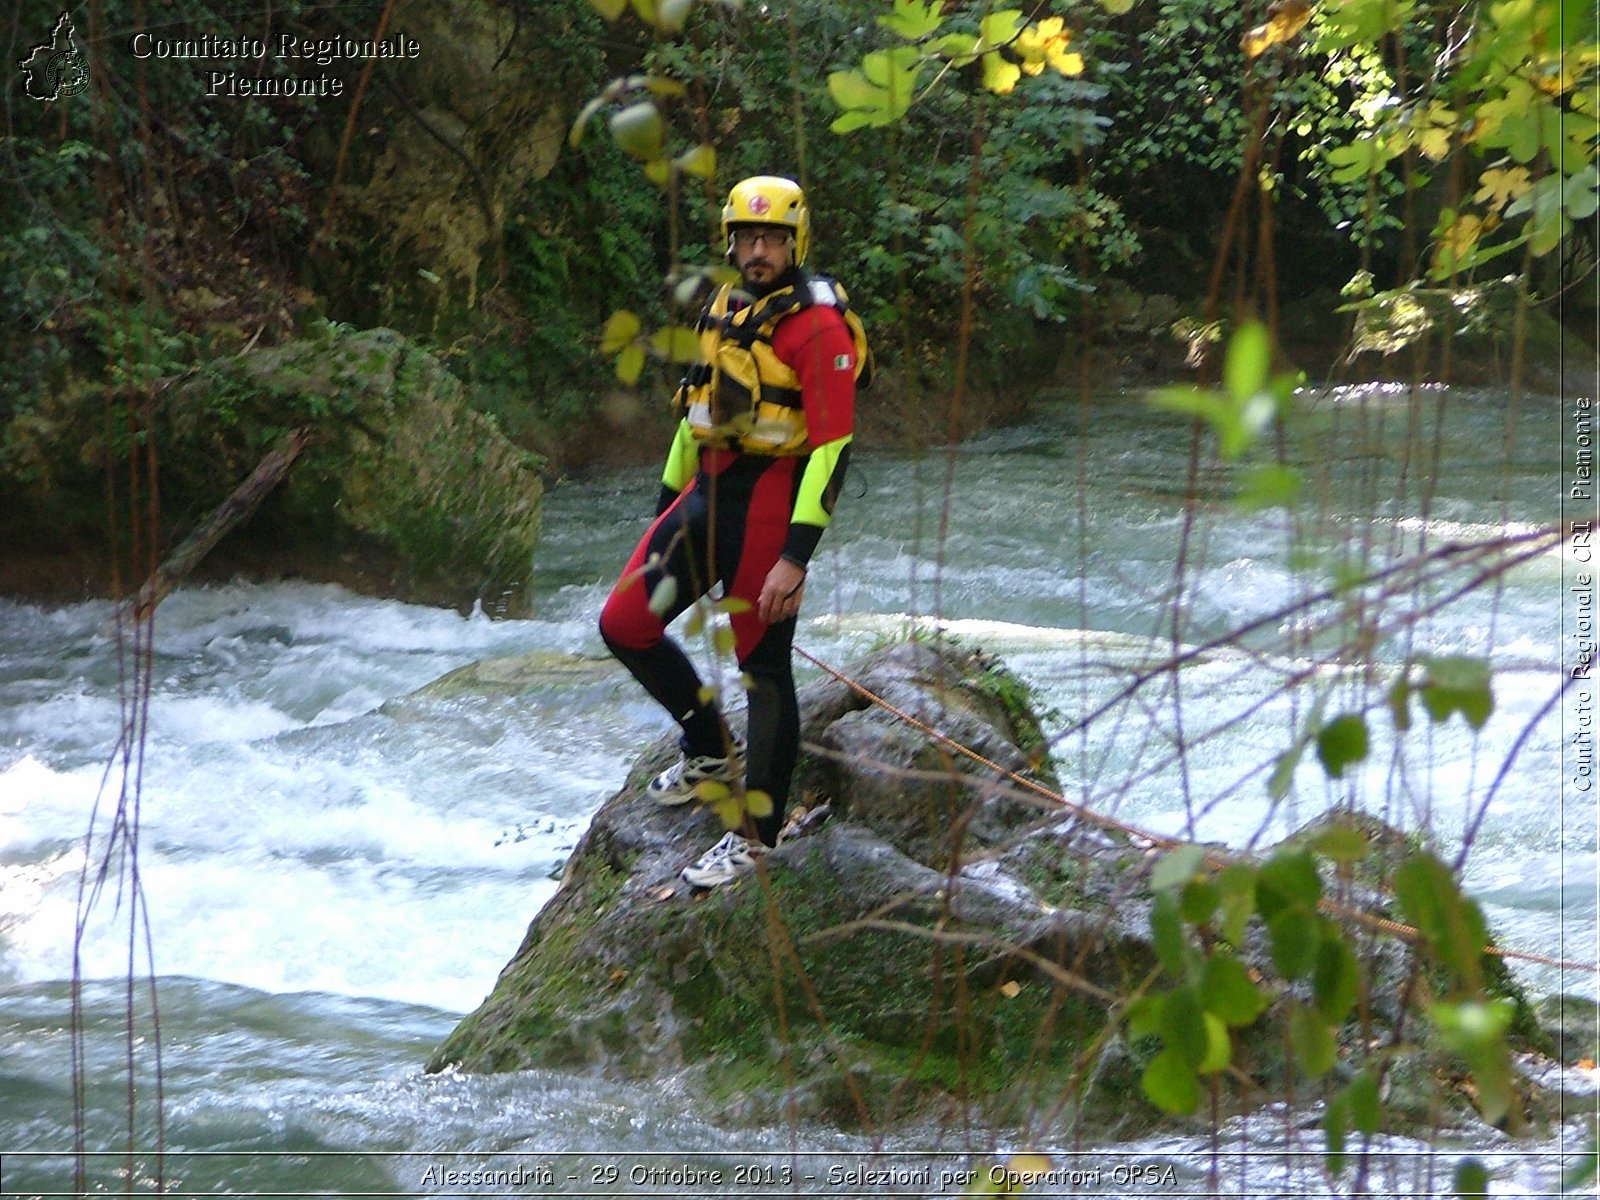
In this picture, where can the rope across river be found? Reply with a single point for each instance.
(1382, 924)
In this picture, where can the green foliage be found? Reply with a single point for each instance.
(1211, 989)
(1250, 400)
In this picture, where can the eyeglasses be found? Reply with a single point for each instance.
(746, 239)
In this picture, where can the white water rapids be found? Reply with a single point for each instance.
(335, 870)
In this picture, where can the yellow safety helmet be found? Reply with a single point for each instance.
(768, 200)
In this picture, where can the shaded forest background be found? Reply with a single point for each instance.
(154, 234)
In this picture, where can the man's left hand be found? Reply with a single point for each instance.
(781, 593)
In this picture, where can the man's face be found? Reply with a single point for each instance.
(762, 252)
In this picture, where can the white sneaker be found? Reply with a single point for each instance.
(730, 858)
(677, 783)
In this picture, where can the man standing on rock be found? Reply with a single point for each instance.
(768, 413)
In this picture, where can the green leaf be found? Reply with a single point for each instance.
(1249, 361)
(914, 20)
(1342, 741)
(1400, 703)
(1355, 162)
(1219, 1047)
(1269, 485)
(1000, 29)
(1476, 1030)
(1472, 1178)
(621, 328)
(960, 48)
(879, 91)
(1451, 923)
(1335, 1127)
(1183, 1027)
(1336, 979)
(1117, 7)
(1295, 935)
(1237, 883)
(1454, 684)
(1171, 1084)
(1287, 879)
(1177, 867)
(1144, 1016)
(1341, 843)
(1166, 930)
(1198, 900)
(1312, 1039)
(1227, 990)
(724, 640)
(639, 130)
(1366, 1106)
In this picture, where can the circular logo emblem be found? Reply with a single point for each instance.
(759, 205)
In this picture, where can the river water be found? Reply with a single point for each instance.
(332, 870)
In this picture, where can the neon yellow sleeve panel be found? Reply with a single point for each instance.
(683, 460)
(814, 504)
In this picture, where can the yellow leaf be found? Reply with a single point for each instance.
(663, 595)
(621, 328)
(707, 694)
(698, 160)
(711, 791)
(730, 812)
(1011, 989)
(609, 9)
(1028, 1166)
(658, 171)
(733, 604)
(999, 75)
(1045, 43)
(1462, 234)
(1498, 188)
(639, 129)
(671, 15)
(1285, 20)
(677, 343)
(724, 641)
(630, 364)
(692, 628)
(758, 804)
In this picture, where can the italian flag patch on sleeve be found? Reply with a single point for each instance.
(843, 362)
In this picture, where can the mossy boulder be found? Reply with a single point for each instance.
(948, 944)
(399, 460)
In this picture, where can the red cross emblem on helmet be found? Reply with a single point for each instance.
(759, 205)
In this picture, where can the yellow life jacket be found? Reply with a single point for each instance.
(741, 395)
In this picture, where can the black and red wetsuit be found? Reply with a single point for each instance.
(726, 516)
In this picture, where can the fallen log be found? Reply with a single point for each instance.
(240, 504)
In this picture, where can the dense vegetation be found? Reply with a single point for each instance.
(153, 225)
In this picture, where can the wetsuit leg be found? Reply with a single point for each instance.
(764, 651)
(676, 547)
